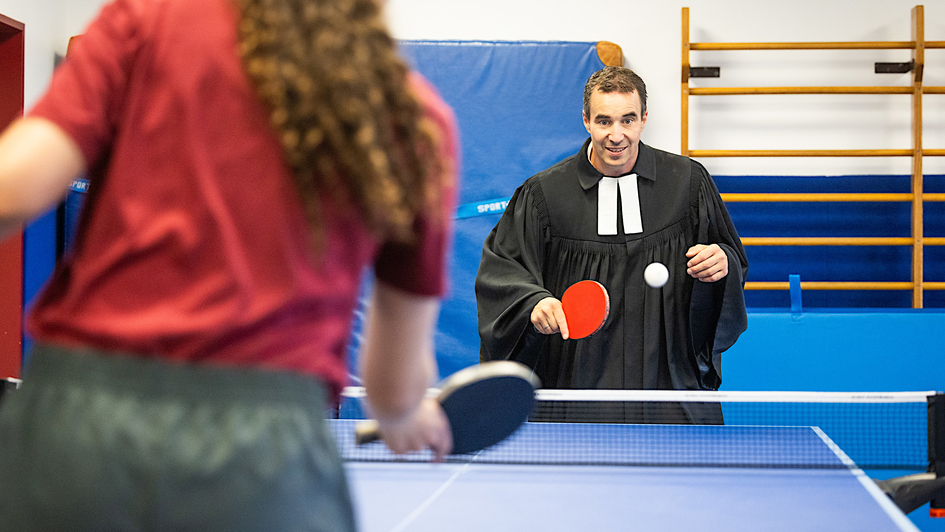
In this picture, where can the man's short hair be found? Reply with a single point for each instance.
(614, 79)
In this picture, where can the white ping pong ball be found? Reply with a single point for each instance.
(656, 275)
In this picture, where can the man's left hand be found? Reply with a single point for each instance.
(707, 263)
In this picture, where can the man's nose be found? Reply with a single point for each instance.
(616, 134)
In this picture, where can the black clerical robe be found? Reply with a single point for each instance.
(666, 338)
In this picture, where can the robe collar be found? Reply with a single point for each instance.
(645, 166)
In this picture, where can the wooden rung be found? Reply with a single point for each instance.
(832, 285)
(934, 153)
(727, 91)
(933, 90)
(934, 44)
(765, 197)
(851, 45)
(826, 241)
(800, 153)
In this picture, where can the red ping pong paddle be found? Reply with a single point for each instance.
(484, 403)
(586, 306)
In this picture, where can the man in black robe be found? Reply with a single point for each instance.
(564, 225)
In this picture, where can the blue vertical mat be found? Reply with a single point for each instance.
(518, 106)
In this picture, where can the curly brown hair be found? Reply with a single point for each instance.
(351, 129)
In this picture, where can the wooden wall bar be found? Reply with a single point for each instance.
(917, 240)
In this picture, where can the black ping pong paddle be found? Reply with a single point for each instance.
(484, 403)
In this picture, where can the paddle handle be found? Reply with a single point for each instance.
(366, 432)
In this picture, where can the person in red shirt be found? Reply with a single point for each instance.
(247, 160)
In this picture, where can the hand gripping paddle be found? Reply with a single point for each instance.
(586, 306)
(484, 403)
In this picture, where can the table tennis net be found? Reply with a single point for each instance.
(695, 428)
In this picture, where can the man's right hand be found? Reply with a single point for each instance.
(548, 317)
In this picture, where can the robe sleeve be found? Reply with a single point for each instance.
(510, 281)
(717, 311)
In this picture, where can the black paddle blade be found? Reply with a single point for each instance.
(486, 412)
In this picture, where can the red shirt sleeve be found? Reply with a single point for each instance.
(85, 96)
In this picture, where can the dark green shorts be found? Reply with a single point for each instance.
(98, 442)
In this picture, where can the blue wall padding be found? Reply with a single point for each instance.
(72, 207)
(934, 269)
(838, 351)
(518, 106)
(836, 219)
(39, 254)
(39, 259)
(841, 219)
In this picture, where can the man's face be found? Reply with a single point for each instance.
(615, 125)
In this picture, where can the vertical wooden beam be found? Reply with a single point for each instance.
(11, 249)
(11, 306)
(684, 109)
(918, 57)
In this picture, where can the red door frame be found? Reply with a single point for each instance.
(11, 249)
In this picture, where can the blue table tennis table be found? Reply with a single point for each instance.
(763, 485)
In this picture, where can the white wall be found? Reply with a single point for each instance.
(38, 17)
(49, 24)
(650, 34)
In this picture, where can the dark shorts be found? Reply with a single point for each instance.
(98, 442)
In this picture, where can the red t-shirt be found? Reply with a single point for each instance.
(197, 248)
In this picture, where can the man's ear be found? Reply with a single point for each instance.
(587, 123)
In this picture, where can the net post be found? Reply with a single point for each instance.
(936, 432)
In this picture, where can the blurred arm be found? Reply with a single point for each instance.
(38, 160)
(398, 365)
